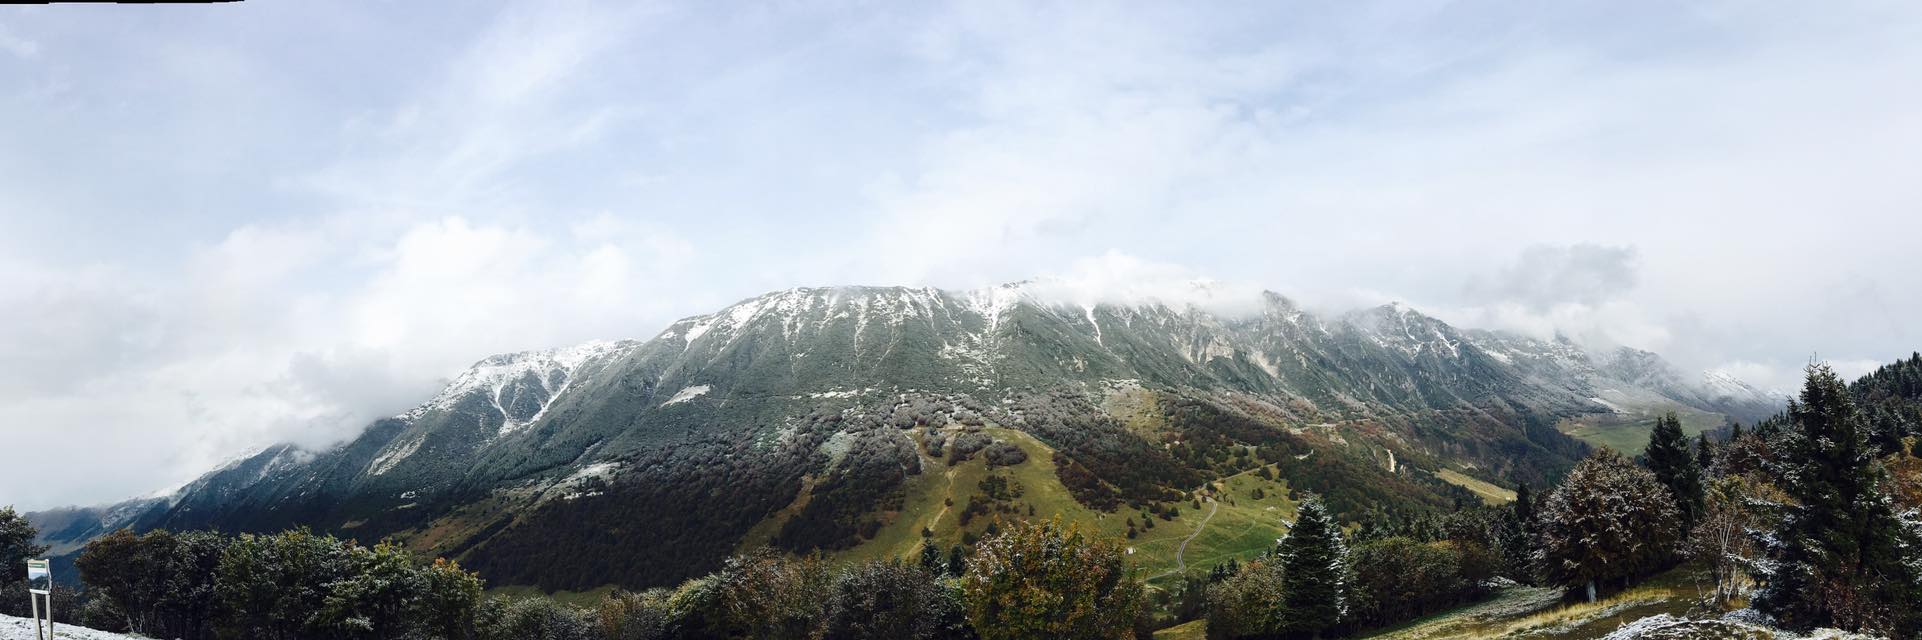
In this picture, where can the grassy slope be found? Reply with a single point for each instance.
(1489, 492)
(1242, 526)
(1195, 630)
(1628, 432)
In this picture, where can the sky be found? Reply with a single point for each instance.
(227, 226)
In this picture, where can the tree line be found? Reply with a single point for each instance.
(1802, 515)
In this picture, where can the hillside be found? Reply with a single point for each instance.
(854, 419)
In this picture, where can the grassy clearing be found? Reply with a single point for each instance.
(1193, 630)
(1490, 493)
(1242, 527)
(1628, 432)
(1479, 620)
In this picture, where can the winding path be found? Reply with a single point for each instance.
(1180, 566)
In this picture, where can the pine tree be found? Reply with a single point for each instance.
(1314, 571)
(1668, 456)
(1841, 558)
(1608, 521)
(1519, 528)
(1704, 453)
(957, 560)
(931, 557)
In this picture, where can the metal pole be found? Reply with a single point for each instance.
(35, 599)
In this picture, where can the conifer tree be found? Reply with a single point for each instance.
(1841, 558)
(1668, 456)
(1519, 528)
(957, 560)
(1704, 453)
(931, 557)
(1314, 565)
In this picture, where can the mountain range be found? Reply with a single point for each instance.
(873, 420)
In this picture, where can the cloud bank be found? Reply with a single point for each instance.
(226, 227)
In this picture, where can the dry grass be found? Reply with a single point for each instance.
(1566, 618)
(1489, 492)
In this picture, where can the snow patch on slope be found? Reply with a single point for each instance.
(687, 394)
(493, 374)
(393, 454)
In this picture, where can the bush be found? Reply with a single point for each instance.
(886, 600)
(1248, 604)
(289, 586)
(1004, 454)
(276, 586)
(636, 616)
(532, 619)
(769, 595)
(1398, 579)
(965, 445)
(157, 584)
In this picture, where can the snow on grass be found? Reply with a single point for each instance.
(12, 628)
(1667, 626)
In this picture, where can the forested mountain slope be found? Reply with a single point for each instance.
(859, 419)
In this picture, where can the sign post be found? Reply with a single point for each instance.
(39, 586)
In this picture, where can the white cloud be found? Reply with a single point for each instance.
(248, 353)
(20, 47)
(1121, 279)
(281, 234)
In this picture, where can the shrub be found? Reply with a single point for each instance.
(887, 600)
(1249, 603)
(1398, 578)
(276, 586)
(1004, 454)
(532, 619)
(158, 583)
(635, 616)
(965, 445)
(769, 595)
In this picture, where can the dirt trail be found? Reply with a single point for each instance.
(945, 503)
(1180, 565)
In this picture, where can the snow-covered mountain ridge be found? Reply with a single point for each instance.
(755, 379)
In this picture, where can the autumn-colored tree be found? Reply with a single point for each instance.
(1047, 580)
(770, 595)
(1724, 542)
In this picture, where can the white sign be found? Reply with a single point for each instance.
(39, 577)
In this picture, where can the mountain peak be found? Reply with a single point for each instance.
(500, 376)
